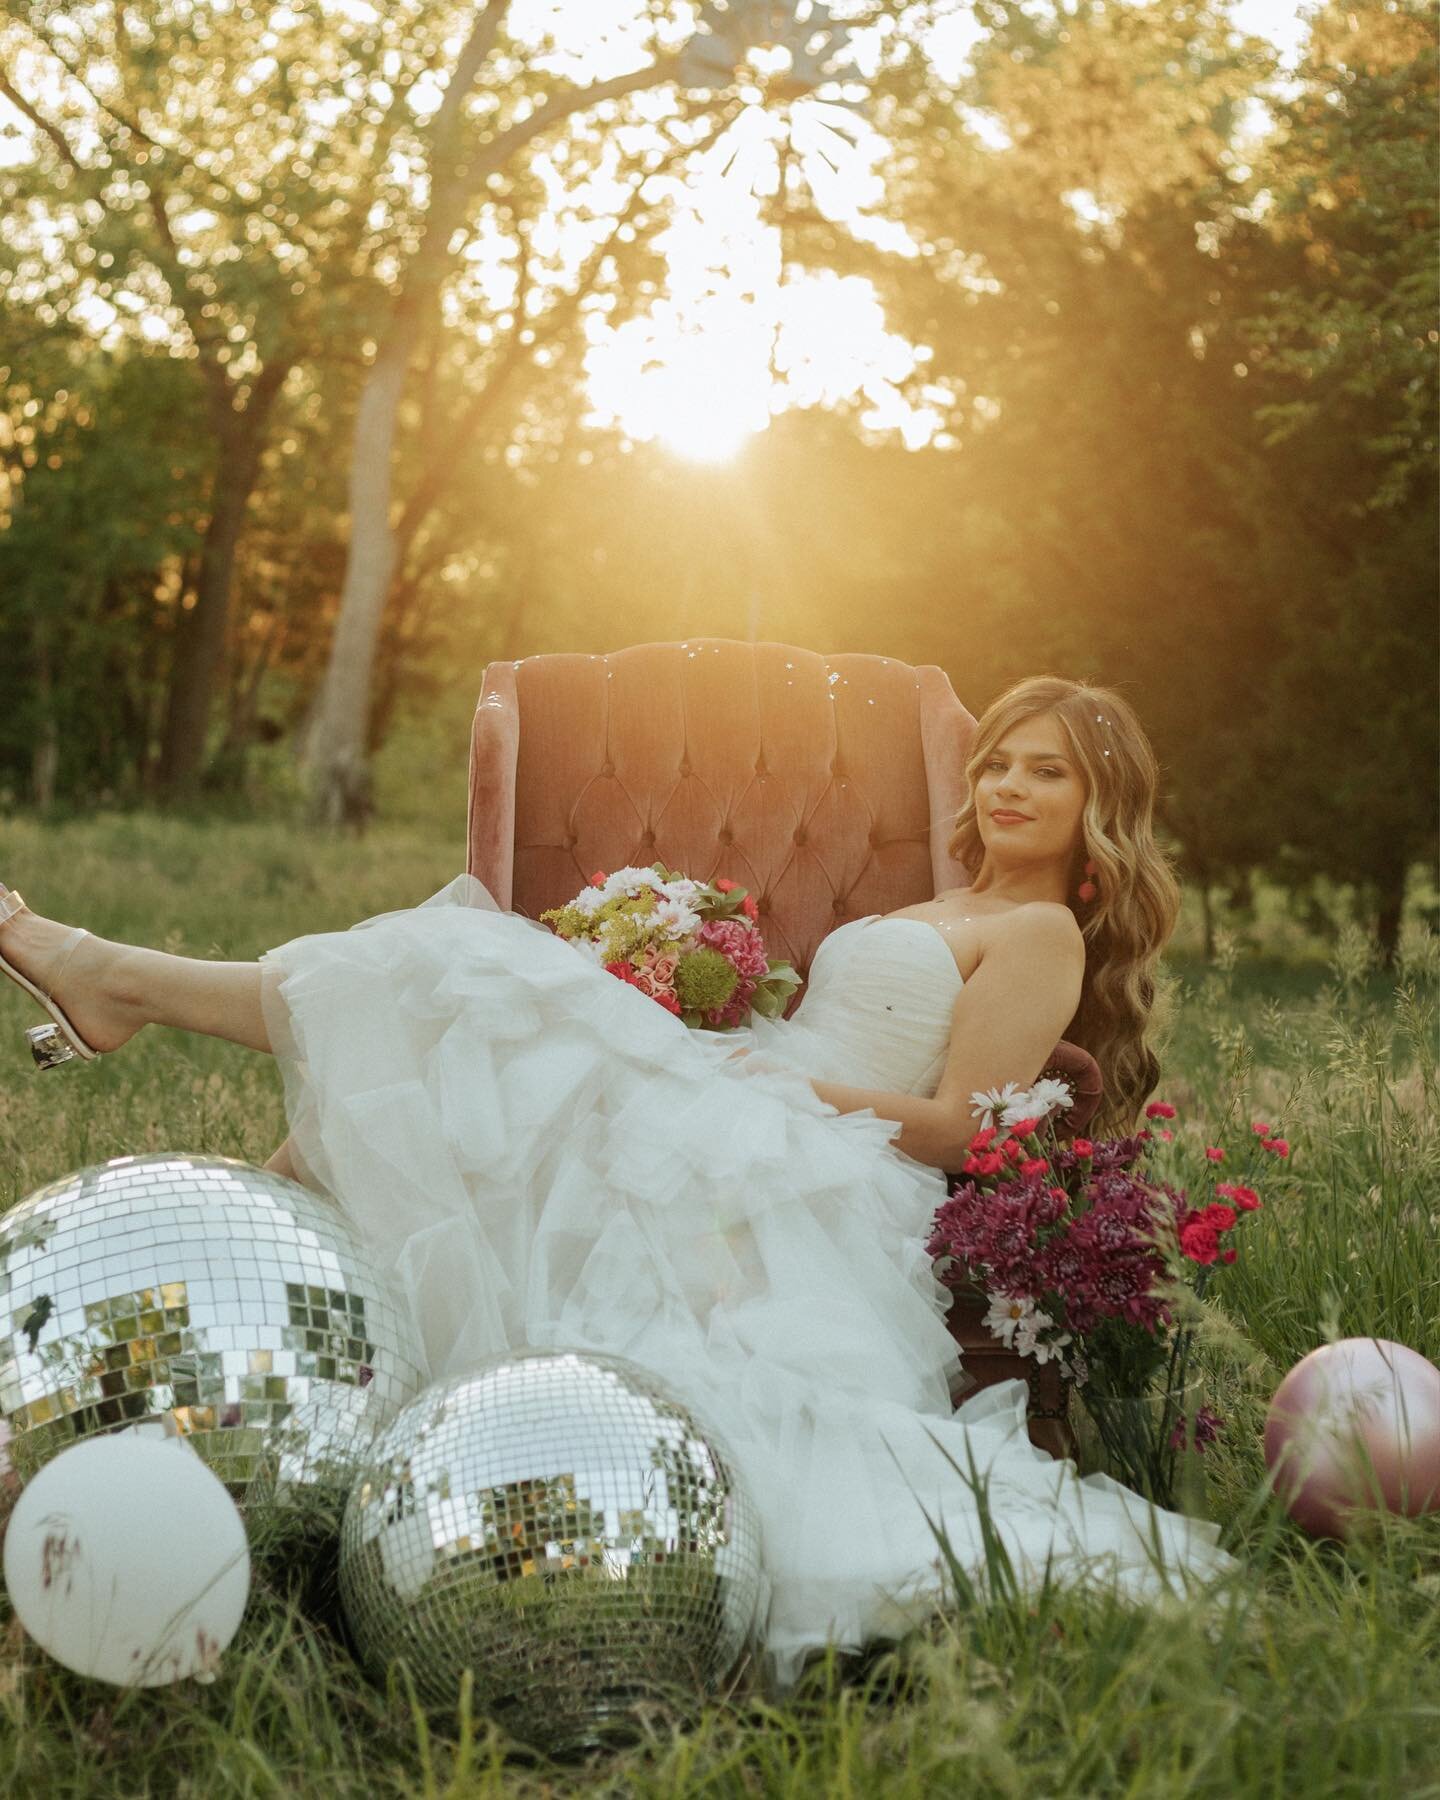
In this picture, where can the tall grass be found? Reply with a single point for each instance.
(1313, 1673)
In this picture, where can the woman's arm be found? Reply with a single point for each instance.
(927, 1130)
(1009, 1016)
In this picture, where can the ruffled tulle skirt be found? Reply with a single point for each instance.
(548, 1159)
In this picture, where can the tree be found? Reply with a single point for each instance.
(457, 167)
(204, 209)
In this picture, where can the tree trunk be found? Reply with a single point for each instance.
(337, 766)
(45, 756)
(1391, 885)
(200, 640)
(339, 771)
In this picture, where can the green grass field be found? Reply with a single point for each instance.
(1317, 1673)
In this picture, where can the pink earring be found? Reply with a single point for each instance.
(1087, 890)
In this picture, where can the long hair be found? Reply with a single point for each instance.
(1129, 922)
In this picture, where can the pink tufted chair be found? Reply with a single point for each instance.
(826, 785)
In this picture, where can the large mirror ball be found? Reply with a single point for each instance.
(241, 1306)
(559, 1523)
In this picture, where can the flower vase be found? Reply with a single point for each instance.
(985, 1360)
(1134, 1433)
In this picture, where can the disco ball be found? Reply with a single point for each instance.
(560, 1524)
(240, 1306)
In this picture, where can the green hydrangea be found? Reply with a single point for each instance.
(704, 979)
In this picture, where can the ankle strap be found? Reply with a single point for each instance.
(10, 904)
(72, 943)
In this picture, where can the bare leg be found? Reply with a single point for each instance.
(110, 990)
(220, 999)
(283, 1164)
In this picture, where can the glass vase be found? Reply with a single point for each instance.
(1134, 1433)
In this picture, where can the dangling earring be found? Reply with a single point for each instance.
(1087, 889)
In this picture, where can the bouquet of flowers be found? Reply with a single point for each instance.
(693, 946)
(1090, 1254)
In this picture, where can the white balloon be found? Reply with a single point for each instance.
(126, 1559)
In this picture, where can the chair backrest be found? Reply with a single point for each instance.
(825, 785)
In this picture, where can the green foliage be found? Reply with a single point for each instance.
(102, 518)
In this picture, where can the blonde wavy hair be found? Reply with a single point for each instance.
(1130, 919)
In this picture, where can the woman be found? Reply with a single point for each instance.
(548, 1158)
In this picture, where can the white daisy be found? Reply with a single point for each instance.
(996, 1100)
(630, 881)
(1027, 1331)
(1046, 1097)
(1006, 1313)
(676, 919)
(1051, 1348)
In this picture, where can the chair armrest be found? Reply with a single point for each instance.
(1079, 1070)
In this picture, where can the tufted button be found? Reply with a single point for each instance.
(607, 768)
(725, 835)
(684, 768)
(800, 837)
(839, 905)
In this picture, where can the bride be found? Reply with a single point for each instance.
(547, 1158)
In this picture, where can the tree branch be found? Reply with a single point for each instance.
(38, 120)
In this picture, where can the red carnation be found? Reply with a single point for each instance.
(982, 1140)
(599, 878)
(1221, 1217)
(1023, 1127)
(1159, 1109)
(1035, 1166)
(1227, 1256)
(1083, 1147)
(1260, 1128)
(1199, 1242)
(1215, 1153)
(1244, 1197)
(1276, 1146)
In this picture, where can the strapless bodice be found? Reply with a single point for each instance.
(876, 1009)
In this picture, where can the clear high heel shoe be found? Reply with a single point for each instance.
(59, 1041)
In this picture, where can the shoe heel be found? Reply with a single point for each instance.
(49, 1046)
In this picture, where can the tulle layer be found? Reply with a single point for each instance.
(548, 1159)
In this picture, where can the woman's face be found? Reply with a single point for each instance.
(1029, 793)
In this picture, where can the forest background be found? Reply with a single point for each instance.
(301, 421)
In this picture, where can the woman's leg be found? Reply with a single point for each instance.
(108, 990)
(220, 999)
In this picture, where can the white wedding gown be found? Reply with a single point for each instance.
(547, 1158)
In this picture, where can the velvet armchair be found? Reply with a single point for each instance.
(826, 785)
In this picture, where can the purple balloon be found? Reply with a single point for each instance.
(1353, 1426)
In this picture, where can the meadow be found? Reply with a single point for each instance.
(1317, 1671)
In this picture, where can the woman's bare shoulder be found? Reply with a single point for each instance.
(1046, 927)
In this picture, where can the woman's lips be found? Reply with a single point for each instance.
(1010, 818)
